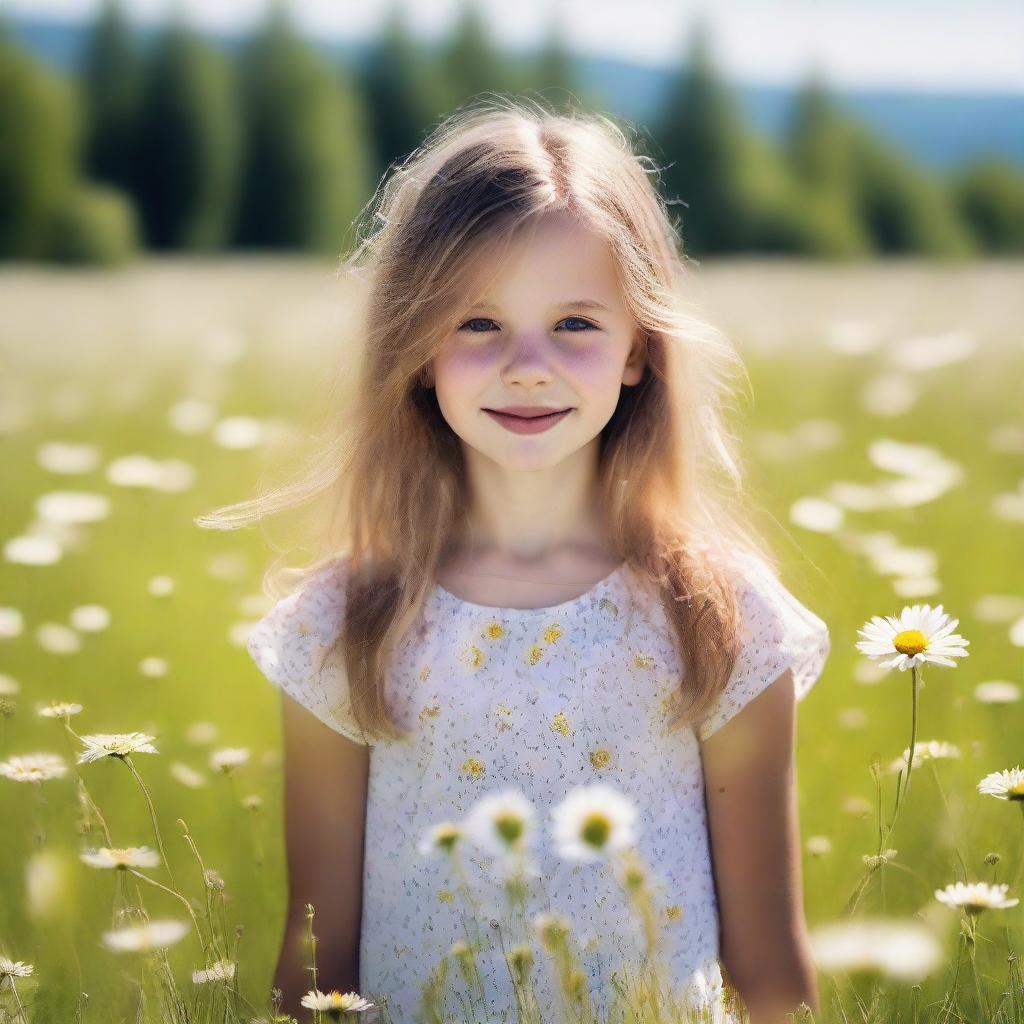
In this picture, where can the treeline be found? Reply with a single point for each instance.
(181, 146)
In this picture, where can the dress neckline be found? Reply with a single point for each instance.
(552, 609)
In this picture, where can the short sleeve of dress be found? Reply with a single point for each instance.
(290, 644)
(777, 633)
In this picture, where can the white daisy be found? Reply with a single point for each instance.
(14, 968)
(592, 821)
(925, 750)
(1005, 785)
(138, 938)
(33, 767)
(59, 709)
(975, 897)
(222, 970)
(440, 839)
(500, 823)
(334, 1003)
(920, 634)
(119, 744)
(904, 950)
(121, 857)
(228, 759)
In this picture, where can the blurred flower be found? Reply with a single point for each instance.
(89, 618)
(9, 686)
(56, 638)
(121, 857)
(920, 634)
(552, 929)
(187, 776)
(47, 889)
(975, 897)
(137, 938)
(904, 950)
(160, 586)
(252, 802)
(440, 838)
(925, 750)
(62, 457)
(201, 732)
(500, 823)
(592, 821)
(153, 667)
(1005, 785)
(11, 623)
(333, 1003)
(228, 759)
(33, 767)
(119, 744)
(72, 507)
(874, 861)
(14, 968)
(32, 550)
(59, 709)
(222, 970)
(997, 691)
(818, 846)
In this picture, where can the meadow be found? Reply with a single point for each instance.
(885, 441)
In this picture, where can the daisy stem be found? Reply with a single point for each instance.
(188, 906)
(17, 999)
(974, 968)
(902, 798)
(949, 816)
(152, 814)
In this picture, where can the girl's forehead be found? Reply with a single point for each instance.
(560, 253)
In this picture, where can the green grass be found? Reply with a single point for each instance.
(150, 533)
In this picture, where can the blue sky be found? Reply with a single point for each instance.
(931, 45)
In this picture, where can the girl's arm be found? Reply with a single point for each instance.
(325, 781)
(750, 792)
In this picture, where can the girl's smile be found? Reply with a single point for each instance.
(527, 424)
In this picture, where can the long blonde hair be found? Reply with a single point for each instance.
(389, 468)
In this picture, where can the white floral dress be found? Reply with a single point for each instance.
(539, 700)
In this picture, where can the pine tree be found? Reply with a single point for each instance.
(305, 166)
(111, 82)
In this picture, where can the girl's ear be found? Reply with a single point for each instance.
(637, 358)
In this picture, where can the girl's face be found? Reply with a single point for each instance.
(551, 332)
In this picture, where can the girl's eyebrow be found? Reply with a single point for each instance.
(574, 304)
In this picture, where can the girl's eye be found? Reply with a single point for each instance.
(587, 325)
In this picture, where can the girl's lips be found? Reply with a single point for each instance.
(524, 425)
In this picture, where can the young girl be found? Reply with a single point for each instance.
(536, 574)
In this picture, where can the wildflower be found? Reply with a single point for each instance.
(59, 709)
(153, 935)
(974, 897)
(14, 968)
(819, 846)
(1005, 785)
(228, 759)
(333, 1003)
(905, 950)
(920, 634)
(441, 837)
(500, 823)
(119, 744)
(124, 857)
(213, 880)
(33, 767)
(552, 929)
(876, 861)
(222, 970)
(592, 821)
(926, 750)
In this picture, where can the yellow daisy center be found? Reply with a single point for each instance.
(596, 830)
(1016, 792)
(509, 827)
(910, 641)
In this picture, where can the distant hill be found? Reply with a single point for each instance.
(941, 130)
